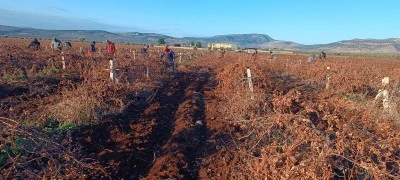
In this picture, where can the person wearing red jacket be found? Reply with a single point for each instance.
(110, 48)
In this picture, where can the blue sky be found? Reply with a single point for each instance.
(307, 21)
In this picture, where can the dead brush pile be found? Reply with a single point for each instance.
(233, 84)
(81, 94)
(296, 129)
(357, 75)
(26, 153)
(87, 104)
(96, 97)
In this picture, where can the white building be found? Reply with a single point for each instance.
(227, 46)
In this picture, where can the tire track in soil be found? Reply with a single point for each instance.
(156, 140)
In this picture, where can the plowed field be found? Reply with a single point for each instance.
(198, 122)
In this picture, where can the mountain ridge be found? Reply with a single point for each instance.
(253, 40)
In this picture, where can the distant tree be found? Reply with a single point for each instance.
(161, 41)
(192, 43)
(177, 45)
(198, 45)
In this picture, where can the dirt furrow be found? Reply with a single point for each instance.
(181, 156)
(128, 144)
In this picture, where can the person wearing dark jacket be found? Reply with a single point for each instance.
(35, 44)
(170, 59)
(169, 53)
(322, 55)
(68, 45)
(92, 48)
(143, 51)
(56, 44)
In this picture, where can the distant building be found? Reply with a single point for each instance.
(227, 46)
(251, 50)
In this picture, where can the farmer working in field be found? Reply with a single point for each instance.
(145, 57)
(35, 44)
(110, 49)
(170, 58)
(56, 44)
(68, 45)
(92, 48)
(143, 51)
(169, 53)
(311, 58)
(322, 55)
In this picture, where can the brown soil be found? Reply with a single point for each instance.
(200, 122)
(160, 139)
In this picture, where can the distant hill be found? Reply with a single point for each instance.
(90, 35)
(391, 45)
(285, 45)
(242, 40)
